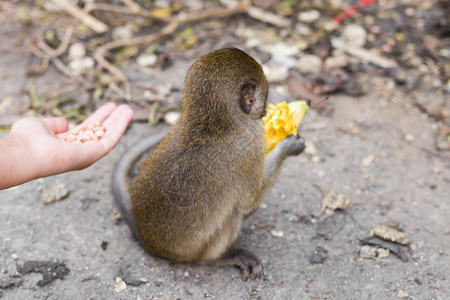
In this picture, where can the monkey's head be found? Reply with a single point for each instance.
(225, 85)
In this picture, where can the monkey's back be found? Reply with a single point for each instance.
(181, 198)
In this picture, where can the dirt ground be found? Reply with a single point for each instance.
(380, 153)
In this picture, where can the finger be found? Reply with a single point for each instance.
(100, 114)
(115, 125)
(84, 154)
(56, 124)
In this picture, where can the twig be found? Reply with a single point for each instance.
(61, 48)
(66, 71)
(91, 6)
(207, 14)
(58, 91)
(11, 49)
(146, 39)
(298, 89)
(88, 20)
(46, 53)
(131, 5)
(264, 16)
(99, 53)
(213, 14)
(36, 70)
(319, 188)
(364, 54)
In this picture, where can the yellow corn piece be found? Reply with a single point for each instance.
(282, 120)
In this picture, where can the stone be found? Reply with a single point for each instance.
(77, 50)
(309, 63)
(354, 35)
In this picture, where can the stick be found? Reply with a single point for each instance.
(61, 48)
(174, 22)
(60, 66)
(47, 53)
(99, 54)
(36, 70)
(131, 5)
(297, 88)
(364, 54)
(264, 16)
(60, 90)
(88, 20)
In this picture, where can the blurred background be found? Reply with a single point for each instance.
(361, 214)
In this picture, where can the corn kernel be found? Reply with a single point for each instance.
(282, 120)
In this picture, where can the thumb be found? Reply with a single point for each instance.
(56, 124)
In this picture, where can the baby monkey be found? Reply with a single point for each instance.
(210, 170)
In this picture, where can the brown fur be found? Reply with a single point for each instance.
(211, 169)
(191, 194)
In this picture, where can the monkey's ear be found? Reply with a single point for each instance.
(247, 97)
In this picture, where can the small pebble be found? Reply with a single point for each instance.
(283, 49)
(402, 294)
(354, 34)
(77, 50)
(119, 285)
(172, 117)
(309, 63)
(409, 137)
(54, 193)
(315, 159)
(335, 200)
(367, 161)
(367, 251)
(116, 217)
(81, 65)
(310, 148)
(15, 256)
(275, 73)
(123, 32)
(147, 60)
(309, 16)
(276, 233)
(390, 234)
(383, 253)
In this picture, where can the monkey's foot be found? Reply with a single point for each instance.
(249, 263)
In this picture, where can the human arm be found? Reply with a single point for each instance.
(37, 148)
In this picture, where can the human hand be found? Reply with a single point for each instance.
(39, 147)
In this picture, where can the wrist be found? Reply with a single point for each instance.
(16, 164)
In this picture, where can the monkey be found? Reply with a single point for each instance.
(209, 171)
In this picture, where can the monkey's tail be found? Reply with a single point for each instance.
(121, 176)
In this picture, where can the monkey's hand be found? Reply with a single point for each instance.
(291, 146)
